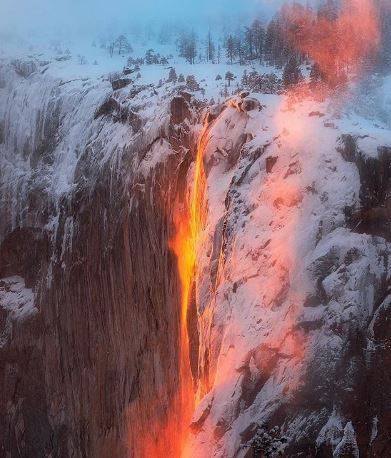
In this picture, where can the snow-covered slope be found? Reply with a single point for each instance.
(290, 280)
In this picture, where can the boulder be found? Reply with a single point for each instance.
(250, 104)
(120, 83)
(180, 110)
(109, 106)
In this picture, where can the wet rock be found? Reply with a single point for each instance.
(293, 169)
(348, 445)
(23, 253)
(244, 94)
(244, 105)
(186, 95)
(217, 245)
(375, 176)
(180, 110)
(330, 125)
(202, 413)
(379, 374)
(135, 121)
(128, 71)
(214, 112)
(104, 244)
(347, 147)
(62, 58)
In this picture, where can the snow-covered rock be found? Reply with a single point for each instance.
(292, 323)
(287, 295)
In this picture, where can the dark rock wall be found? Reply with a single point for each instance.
(94, 371)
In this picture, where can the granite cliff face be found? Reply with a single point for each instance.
(89, 356)
(290, 322)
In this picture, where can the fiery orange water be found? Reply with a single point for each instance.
(188, 219)
(167, 436)
(188, 225)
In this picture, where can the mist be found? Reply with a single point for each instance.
(34, 19)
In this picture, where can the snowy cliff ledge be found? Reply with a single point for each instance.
(293, 276)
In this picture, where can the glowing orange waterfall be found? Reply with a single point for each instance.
(188, 225)
(169, 433)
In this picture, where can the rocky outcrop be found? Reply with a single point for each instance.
(374, 215)
(24, 67)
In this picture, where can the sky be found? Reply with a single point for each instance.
(26, 17)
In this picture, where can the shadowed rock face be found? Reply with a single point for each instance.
(120, 287)
(374, 216)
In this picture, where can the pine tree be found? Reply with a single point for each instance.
(245, 78)
(165, 34)
(270, 42)
(172, 76)
(292, 73)
(328, 10)
(230, 46)
(258, 34)
(240, 50)
(219, 53)
(384, 57)
(315, 74)
(191, 83)
(123, 45)
(151, 57)
(249, 42)
(111, 48)
(229, 76)
(276, 49)
(187, 45)
(210, 48)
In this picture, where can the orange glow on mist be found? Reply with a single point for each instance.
(341, 46)
(338, 45)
